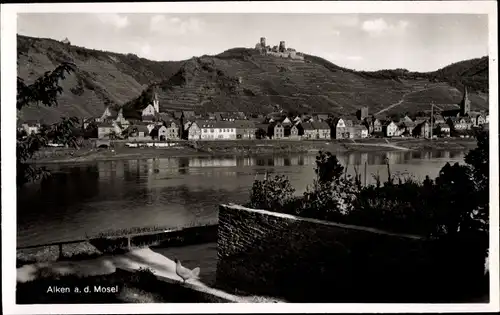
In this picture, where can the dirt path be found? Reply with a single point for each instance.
(402, 100)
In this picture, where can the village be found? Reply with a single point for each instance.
(189, 125)
(160, 160)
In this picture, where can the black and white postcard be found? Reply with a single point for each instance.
(333, 155)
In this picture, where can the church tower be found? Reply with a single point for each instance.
(465, 104)
(156, 103)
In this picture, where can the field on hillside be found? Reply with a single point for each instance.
(238, 80)
(263, 84)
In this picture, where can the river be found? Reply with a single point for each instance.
(97, 196)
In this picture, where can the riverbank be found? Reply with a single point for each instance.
(248, 148)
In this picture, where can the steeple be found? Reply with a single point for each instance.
(156, 102)
(465, 104)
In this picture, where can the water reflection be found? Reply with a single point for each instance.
(90, 198)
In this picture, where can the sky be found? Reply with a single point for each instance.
(417, 42)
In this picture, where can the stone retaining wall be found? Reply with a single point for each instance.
(307, 260)
(117, 244)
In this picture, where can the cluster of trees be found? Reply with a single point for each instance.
(455, 202)
(451, 212)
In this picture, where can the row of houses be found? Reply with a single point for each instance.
(247, 129)
(236, 125)
(165, 130)
(421, 126)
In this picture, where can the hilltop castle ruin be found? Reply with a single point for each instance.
(278, 51)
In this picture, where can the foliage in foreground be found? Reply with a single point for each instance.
(450, 212)
(43, 91)
(456, 202)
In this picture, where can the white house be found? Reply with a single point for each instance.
(105, 130)
(340, 129)
(479, 120)
(148, 113)
(364, 131)
(194, 131)
(217, 130)
(162, 133)
(121, 120)
(391, 129)
(152, 110)
(109, 113)
(31, 128)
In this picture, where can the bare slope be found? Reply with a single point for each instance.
(102, 77)
(239, 80)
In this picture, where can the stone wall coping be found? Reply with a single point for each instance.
(322, 222)
(196, 286)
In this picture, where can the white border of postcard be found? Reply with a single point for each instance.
(8, 94)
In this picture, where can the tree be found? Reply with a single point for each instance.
(478, 162)
(260, 134)
(92, 130)
(328, 167)
(44, 91)
(272, 193)
(154, 133)
(457, 198)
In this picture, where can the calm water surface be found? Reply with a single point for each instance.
(93, 197)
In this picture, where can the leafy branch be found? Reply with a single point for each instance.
(44, 91)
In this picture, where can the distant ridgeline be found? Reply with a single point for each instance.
(278, 51)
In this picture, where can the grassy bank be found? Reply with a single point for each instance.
(248, 148)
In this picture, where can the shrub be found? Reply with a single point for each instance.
(456, 203)
(271, 193)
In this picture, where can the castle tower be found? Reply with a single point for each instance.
(263, 42)
(282, 46)
(156, 103)
(364, 112)
(465, 104)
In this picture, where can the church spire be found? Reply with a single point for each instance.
(156, 102)
(465, 104)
